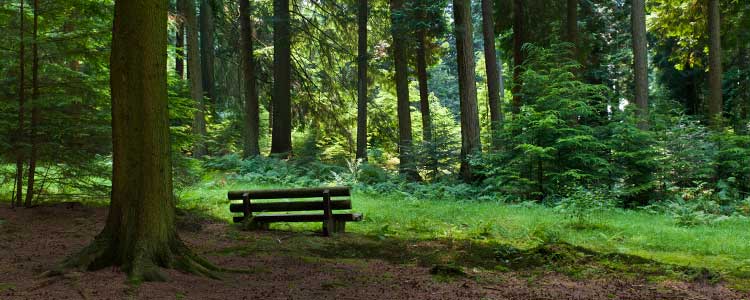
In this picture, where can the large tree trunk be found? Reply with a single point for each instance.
(518, 40)
(715, 101)
(34, 140)
(494, 68)
(424, 92)
(196, 79)
(139, 234)
(281, 138)
(179, 57)
(19, 147)
(407, 164)
(362, 79)
(252, 110)
(207, 54)
(470, 131)
(640, 61)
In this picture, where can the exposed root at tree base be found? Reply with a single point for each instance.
(141, 265)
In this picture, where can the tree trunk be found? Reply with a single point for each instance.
(518, 40)
(281, 138)
(179, 58)
(34, 108)
(252, 110)
(571, 26)
(424, 93)
(407, 165)
(207, 54)
(196, 79)
(21, 110)
(715, 101)
(139, 234)
(640, 61)
(494, 68)
(470, 131)
(362, 79)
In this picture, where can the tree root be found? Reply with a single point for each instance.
(140, 264)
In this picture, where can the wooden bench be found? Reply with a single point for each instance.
(257, 213)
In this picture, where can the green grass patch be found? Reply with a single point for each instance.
(721, 248)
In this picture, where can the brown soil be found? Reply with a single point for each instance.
(34, 240)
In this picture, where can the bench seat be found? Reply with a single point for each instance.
(295, 205)
(311, 217)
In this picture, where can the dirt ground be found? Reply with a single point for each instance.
(34, 240)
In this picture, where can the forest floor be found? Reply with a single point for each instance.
(303, 265)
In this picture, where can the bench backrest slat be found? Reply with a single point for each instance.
(290, 193)
(290, 206)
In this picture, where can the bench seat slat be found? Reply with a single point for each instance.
(290, 193)
(291, 206)
(266, 218)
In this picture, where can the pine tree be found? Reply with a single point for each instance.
(139, 234)
(281, 137)
(470, 131)
(252, 110)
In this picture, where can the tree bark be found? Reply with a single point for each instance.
(281, 138)
(518, 40)
(252, 110)
(207, 54)
(362, 11)
(715, 101)
(179, 59)
(640, 61)
(424, 92)
(571, 26)
(494, 68)
(407, 165)
(470, 130)
(196, 79)
(34, 108)
(19, 147)
(139, 234)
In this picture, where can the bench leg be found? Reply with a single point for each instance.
(339, 226)
(257, 226)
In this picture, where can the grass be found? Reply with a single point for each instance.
(722, 247)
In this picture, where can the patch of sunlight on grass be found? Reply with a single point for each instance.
(722, 247)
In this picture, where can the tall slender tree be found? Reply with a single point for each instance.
(407, 165)
(252, 110)
(35, 113)
(715, 101)
(179, 57)
(640, 60)
(470, 130)
(281, 137)
(571, 25)
(207, 53)
(139, 234)
(20, 135)
(518, 41)
(424, 92)
(196, 78)
(362, 10)
(494, 68)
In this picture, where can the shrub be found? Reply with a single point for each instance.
(583, 205)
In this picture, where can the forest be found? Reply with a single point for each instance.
(485, 149)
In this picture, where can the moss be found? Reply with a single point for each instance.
(331, 285)
(447, 271)
(6, 287)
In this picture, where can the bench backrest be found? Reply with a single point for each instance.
(300, 193)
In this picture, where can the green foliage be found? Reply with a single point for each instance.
(549, 147)
(634, 160)
(584, 205)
